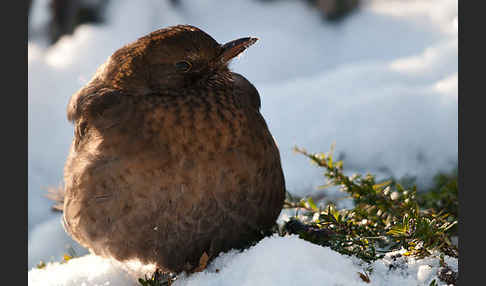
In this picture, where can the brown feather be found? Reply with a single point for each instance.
(167, 171)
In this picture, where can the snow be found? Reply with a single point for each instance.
(382, 85)
(87, 270)
(273, 261)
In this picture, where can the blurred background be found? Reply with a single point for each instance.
(376, 77)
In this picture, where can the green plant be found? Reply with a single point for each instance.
(386, 216)
(158, 279)
(442, 197)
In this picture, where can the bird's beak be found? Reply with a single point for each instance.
(236, 47)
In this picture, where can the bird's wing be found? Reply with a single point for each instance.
(92, 101)
(98, 107)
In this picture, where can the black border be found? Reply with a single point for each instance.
(13, 136)
(471, 205)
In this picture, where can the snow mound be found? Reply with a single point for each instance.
(87, 270)
(275, 261)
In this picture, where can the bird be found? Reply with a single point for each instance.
(171, 161)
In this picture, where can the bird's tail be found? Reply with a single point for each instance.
(57, 195)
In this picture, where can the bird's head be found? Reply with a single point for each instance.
(172, 58)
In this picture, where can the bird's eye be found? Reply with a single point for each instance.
(183, 66)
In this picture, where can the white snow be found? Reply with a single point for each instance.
(382, 85)
(87, 270)
(273, 261)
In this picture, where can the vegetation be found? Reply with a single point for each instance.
(386, 216)
(158, 279)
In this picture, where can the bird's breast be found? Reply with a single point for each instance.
(163, 132)
(195, 124)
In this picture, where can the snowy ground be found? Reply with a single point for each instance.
(274, 261)
(382, 85)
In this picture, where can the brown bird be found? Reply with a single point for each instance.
(171, 159)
